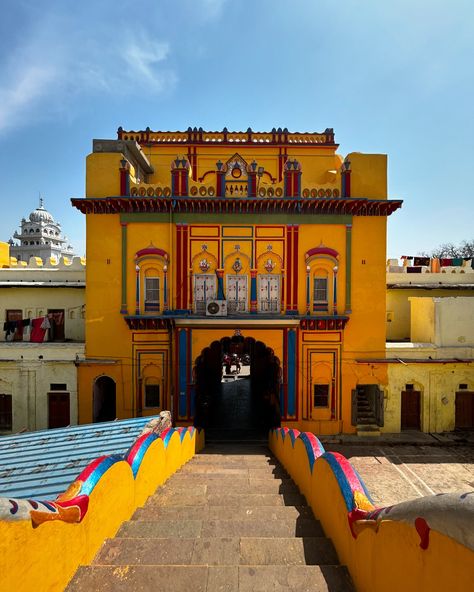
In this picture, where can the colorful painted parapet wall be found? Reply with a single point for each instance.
(43, 542)
(424, 544)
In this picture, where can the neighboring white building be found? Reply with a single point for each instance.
(38, 385)
(40, 236)
(38, 381)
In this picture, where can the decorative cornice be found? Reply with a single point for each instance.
(230, 205)
(194, 136)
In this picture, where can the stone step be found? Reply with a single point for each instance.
(235, 471)
(197, 478)
(368, 427)
(217, 551)
(230, 527)
(254, 473)
(183, 578)
(151, 512)
(242, 486)
(228, 499)
(234, 458)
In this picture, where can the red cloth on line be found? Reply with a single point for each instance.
(37, 333)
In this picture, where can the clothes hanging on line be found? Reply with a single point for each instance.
(9, 327)
(421, 261)
(45, 323)
(37, 330)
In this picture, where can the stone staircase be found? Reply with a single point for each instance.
(366, 421)
(230, 519)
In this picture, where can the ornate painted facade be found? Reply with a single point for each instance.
(202, 243)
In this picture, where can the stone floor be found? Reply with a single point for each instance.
(399, 472)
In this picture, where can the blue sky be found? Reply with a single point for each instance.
(392, 76)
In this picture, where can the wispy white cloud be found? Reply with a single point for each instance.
(27, 87)
(143, 64)
(61, 64)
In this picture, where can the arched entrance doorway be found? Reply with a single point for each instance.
(104, 408)
(237, 405)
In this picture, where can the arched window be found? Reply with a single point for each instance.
(321, 284)
(151, 268)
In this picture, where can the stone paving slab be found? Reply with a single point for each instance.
(217, 550)
(170, 578)
(169, 528)
(255, 499)
(301, 527)
(150, 513)
(161, 528)
(293, 579)
(257, 578)
(287, 551)
(394, 474)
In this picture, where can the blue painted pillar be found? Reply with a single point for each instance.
(165, 287)
(253, 291)
(137, 290)
(308, 289)
(292, 373)
(220, 284)
(182, 372)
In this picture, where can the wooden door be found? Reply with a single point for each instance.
(411, 410)
(59, 411)
(56, 319)
(464, 418)
(12, 316)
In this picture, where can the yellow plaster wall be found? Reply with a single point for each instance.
(438, 384)
(4, 254)
(45, 558)
(365, 332)
(106, 331)
(369, 175)
(103, 175)
(422, 320)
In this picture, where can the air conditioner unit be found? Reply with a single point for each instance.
(216, 308)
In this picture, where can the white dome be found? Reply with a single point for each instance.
(41, 215)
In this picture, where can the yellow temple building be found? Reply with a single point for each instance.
(268, 247)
